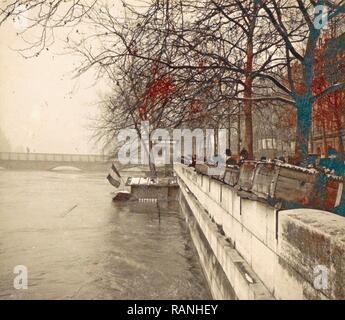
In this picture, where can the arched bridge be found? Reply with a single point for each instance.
(51, 161)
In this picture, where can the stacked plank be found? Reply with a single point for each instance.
(264, 177)
(276, 182)
(209, 170)
(231, 175)
(247, 172)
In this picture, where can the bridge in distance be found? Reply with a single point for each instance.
(51, 161)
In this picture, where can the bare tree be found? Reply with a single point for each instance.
(214, 52)
(299, 26)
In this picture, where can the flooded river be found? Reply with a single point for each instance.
(77, 244)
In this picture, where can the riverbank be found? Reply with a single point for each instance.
(264, 252)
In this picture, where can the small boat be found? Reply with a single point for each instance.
(143, 188)
(153, 189)
(151, 182)
(122, 196)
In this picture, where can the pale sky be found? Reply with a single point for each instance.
(37, 108)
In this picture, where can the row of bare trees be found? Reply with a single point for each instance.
(174, 62)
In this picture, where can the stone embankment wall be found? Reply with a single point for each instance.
(251, 250)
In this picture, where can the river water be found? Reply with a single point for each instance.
(77, 244)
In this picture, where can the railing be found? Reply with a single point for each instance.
(53, 157)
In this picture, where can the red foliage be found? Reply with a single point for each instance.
(160, 88)
(329, 109)
(142, 112)
(195, 106)
(201, 64)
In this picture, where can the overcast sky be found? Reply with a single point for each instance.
(41, 106)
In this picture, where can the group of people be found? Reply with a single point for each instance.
(228, 160)
(332, 162)
(244, 155)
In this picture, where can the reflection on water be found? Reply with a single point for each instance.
(78, 244)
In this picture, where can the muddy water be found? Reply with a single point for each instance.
(77, 244)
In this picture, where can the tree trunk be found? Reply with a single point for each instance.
(324, 138)
(341, 145)
(311, 140)
(215, 139)
(338, 120)
(247, 106)
(340, 138)
(152, 166)
(303, 102)
(229, 132)
(304, 115)
(239, 133)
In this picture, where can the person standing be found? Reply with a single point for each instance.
(244, 155)
(229, 159)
